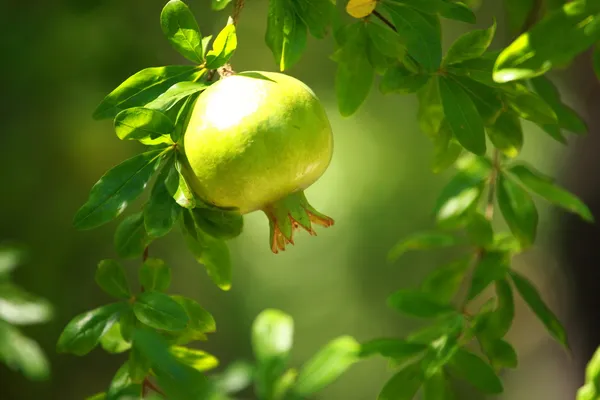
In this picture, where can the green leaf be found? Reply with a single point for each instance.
(446, 151)
(183, 118)
(518, 210)
(420, 33)
(18, 307)
(159, 311)
(84, 331)
(127, 323)
(555, 40)
(404, 385)
(437, 387)
(470, 45)
(113, 342)
(497, 323)
(444, 282)
(316, 15)
(449, 325)
(492, 267)
(592, 370)
(532, 297)
(181, 29)
(398, 349)
(326, 366)
(143, 87)
(386, 41)
(223, 47)
(458, 11)
(546, 188)
(120, 381)
(479, 231)
(97, 396)
(200, 320)
(441, 351)
(175, 94)
(142, 123)
(423, 241)
(197, 359)
(110, 276)
(211, 252)
(162, 212)
(139, 365)
(21, 353)
(462, 116)
(286, 33)
(418, 304)
(501, 353)
(236, 377)
(506, 133)
(530, 106)
(179, 188)
(567, 117)
(130, 237)
(431, 113)
(518, 12)
(116, 189)
(487, 100)
(400, 80)
(218, 222)
(587, 392)
(155, 275)
(10, 258)
(219, 5)
(354, 76)
(476, 371)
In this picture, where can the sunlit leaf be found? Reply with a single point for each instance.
(159, 311)
(197, 359)
(223, 47)
(182, 31)
(21, 353)
(286, 33)
(113, 342)
(175, 94)
(470, 45)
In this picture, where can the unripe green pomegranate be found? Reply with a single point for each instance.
(256, 141)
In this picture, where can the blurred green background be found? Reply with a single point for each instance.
(59, 59)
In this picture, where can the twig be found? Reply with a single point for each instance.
(237, 9)
(489, 205)
(383, 19)
(147, 384)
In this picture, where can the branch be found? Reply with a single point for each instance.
(384, 20)
(237, 9)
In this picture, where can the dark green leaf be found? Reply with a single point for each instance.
(496, 324)
(423, 241)
(476, 371)
(130, 237)
(441, 350)
(420, 33)
(181, 29)
(143, 87)
(462, 116)
(449, 325)
(397, 349)
(437, 387)
(211, 252)
(116, 189)
(404, 385)
(470, 45)
(23, 354)
(97, 396)
(160, 311)
(518, 12)
(139, 365)
(327, 365)
(354, 75)
(200, 320)
(431, 113)
(175, 94)
(316, 15)
(501, 353)
(418, 304)
(487, 100)
(555, 40)
(155, 275)
(530, 106)
(162, 212)
(506, 134)
(113, 342)
(532, 297)
(10, 258)
(457, 10)
(219, 5)
(19, 307)
(445, 281)
(492, 267)
(479, 69)
(385, 40)
(545, 187)
(567, 117)
(84, 331)
(223, 47)
(479, 231)
(286, 33)
(219, 223)
(142, 123)
(518, 210)
(120, 381)
(446, 150)
(197, 359)
(399, 79)
(127, 323)
(110, 276)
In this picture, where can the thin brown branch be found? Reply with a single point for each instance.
(489, 205)
(237, 9)
(384, 20)
(148, 385)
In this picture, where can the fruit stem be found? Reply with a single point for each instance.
(289, 214)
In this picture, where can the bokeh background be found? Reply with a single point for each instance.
(58, 60)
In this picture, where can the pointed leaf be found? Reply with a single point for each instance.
(179, 188)
(404, 385)
(532, 297)
(84, 331)
(223, 47)
(458, 11)
(386, 41)
(418, 304)
(492, 267)
(444, 282)
(162, 212)
(219, 223)
(181, 29)
(175, 94)
(113, 342)
(286, 33)
(397, 349)
(143, 87)
(116, 189)
(130, 237)
(437, 387)
(399, 79)
(316, 15)
(110, 276)
(545, 187)
(423, 241)
(155, 275)
(141, 123)
(530, 106)
(501, 353)
(476, 371)
(507, 134)
(470, 45)
(197, 359)
(518, 210)
(159, 311)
